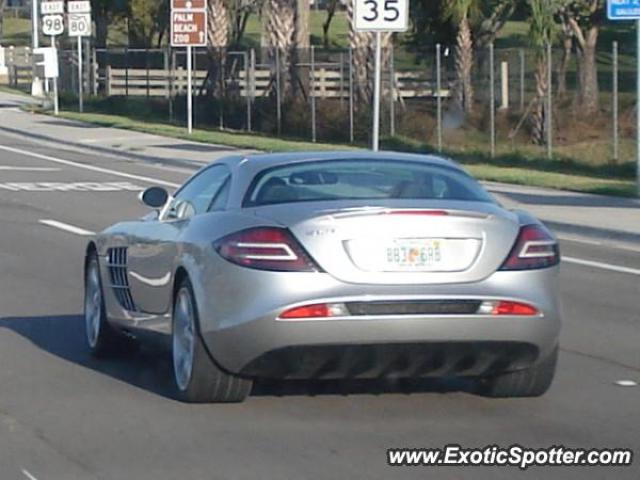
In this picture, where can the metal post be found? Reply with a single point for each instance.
(80, 77)
(36, 83)
(351, 133)
(247, 88)
(253, 76)
(189, 91)
(313, 94)
(492, 95)
(392, 93)
(341, 79)
(504, 84)
(638, 109)
(522, 75)
(126, 71)
(376, 94)
(194, 100)
(549, 113)
(146, 62)
(438, 94)
(278, 105)
(172, 73)
(616, 151)
(56, 102)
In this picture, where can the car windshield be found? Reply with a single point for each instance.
(362, 180)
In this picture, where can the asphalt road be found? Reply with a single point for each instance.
(66, 416)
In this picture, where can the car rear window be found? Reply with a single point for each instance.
(333, 180)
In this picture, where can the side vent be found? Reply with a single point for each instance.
(117, 265)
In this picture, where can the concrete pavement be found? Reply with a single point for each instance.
(66, 416)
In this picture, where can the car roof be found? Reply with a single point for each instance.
(257, 162)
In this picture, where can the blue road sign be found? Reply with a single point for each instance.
(623, 9)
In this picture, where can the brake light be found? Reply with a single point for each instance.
(507, 307)
(265, 248)
(535, 248)
(321, 310)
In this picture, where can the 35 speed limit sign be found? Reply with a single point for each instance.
(53, 25)
(381, 15)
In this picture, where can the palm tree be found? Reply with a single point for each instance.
(460, 12)
(542, 27)
(363, 48)
(280, 35)
(218, 40)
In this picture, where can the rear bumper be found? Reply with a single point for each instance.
(403, 360)
(239, 324)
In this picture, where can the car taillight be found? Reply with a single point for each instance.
(265, 248)
(507, 307)
(535, 248)
(319, 310)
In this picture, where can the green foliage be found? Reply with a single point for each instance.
(542, 26)
(148, 21)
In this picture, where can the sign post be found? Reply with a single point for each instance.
(380, 16)
(53, 25)
(79, 17)
(189, 29)
(630, 10)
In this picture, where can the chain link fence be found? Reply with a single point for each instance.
(324, 96)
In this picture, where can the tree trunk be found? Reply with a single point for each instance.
(280, 35)
(361, 45)
(302, 26)
(2, 5)
(218, 39)
(567, 43)
(331, 11)
(464, 65)
(590, 91)
(538, 116)
(102, 30)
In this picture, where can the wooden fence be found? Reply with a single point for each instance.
(324, 82)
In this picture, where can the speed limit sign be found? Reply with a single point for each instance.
(79, 24)
(381, 15)
(53, 25)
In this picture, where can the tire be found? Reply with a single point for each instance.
(532, 382)
(197, 378)
(102, 339)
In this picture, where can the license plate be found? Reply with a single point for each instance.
(413, 254)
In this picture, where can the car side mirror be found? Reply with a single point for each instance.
(154, 197)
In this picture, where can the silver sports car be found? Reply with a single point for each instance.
(336, 265)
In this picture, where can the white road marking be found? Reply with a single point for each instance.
(568, 238)
(66, 227)
(27, 474)
(71, 187)
(626, 383)
(6, 168)
(602, 265)
(61, 161)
